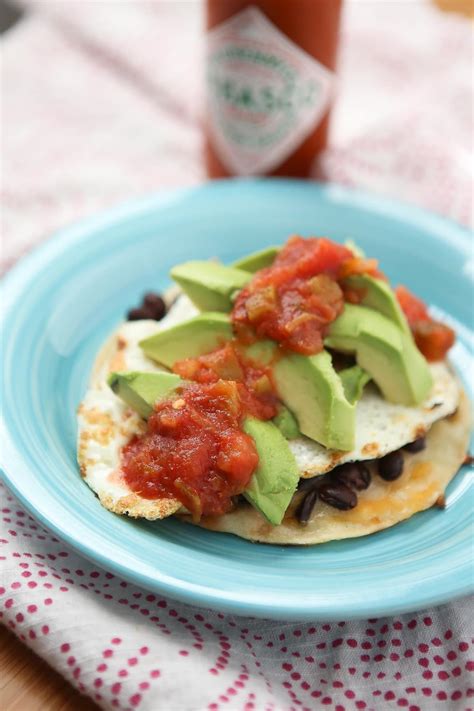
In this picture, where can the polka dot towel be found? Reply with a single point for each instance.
(127, 648)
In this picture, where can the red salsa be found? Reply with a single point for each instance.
(294, 300)
(194, 450)
(253, 380)
(433, 338)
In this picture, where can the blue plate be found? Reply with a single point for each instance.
(63, 300)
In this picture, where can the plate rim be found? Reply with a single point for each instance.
(65, 239)
(74, 231)
(238, 607)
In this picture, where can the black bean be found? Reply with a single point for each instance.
(355, 475)
(136, 314)
(338, 495)
(152, 307)
(390, 467)
(416, 446)
(155, 304)
(306, 507)
(309, 484)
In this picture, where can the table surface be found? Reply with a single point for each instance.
(27, 682)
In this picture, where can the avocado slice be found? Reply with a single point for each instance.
(355, 249)
(311, 388)
(382, 349)
(142, 390)
(276, 477)
(354, 381)
(210, 285)
(286, 423)
(201, 334)
(275, 480)
(313, 391)
(257, 260)
(379, 296)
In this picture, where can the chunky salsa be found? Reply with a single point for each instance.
(194, 450)
(433, 338)
(253, 381)
(294, 300)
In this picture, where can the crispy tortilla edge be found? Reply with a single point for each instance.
(129, 504)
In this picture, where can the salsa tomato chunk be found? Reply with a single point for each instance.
(254, 381)
(294, 300)
(194, 450)
(433, 338)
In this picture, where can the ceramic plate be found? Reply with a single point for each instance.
(63, 300)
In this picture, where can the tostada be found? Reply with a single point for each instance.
(292, 397)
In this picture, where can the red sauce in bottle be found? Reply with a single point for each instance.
(269, 84)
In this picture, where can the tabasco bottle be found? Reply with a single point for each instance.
(270, 84)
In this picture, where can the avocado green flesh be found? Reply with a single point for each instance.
(275, 480)
(379, 296)
(286, 423)
(355, 249)
(354, 381)
(201, 334)
(257, 260)
(210, 285)
(313, 391)
(141, 390)
(384, 351)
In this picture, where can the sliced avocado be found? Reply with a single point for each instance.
(286, 423)
(262, 353)
(142, 390)
(201, 334)
(275, 480)
(379, 296)
(355, 249)
(387, 353)
(313, 391)
(210, 285)
(257, 260)
(354, 381)
(311, 388)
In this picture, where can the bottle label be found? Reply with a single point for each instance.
(265, 94)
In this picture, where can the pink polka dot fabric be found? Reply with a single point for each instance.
(123, 80)
(127, 648)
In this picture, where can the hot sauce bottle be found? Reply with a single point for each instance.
(270, 84)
